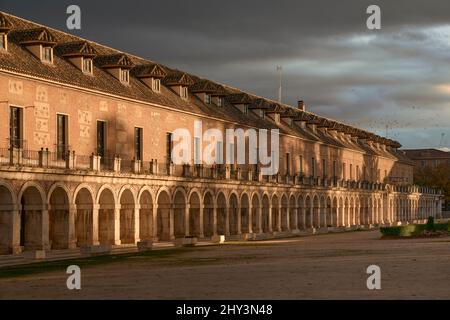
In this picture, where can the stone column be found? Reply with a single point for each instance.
(288, 218)
(270, 218)
(14, 242)
(250, 217)
(116, 229)
(187, 220)
(215, 220)
(155, 222)
(227, 221)
(171, 223)
(201, 222)
(93, 241)
(45, 229)
(137, 211)
(239, 230)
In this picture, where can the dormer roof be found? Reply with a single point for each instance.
(114, 61)
(275, 108)
(260, 103)
(239, 98)
(203, 86)
(76, 49)
(150, 70)
(178, 78)
(35, 36)
(5, 24)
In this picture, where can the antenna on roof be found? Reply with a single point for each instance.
(279, 69)
(442, 140)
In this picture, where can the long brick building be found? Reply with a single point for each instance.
(85, 155)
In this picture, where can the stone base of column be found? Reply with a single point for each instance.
(218, 238)
(145, 245)
(72, 245)
(35, 254)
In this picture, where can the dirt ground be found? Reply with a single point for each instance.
(331, 266)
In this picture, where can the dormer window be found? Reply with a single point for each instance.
(3, 41)
(277, 118)
(124, 75)
(184, 92)
(156, 85)
(220, 102)
(246, 109)
(47, 54)
(87, 65)
(262, 113)
(207, 98)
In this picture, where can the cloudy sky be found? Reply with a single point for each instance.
(393, 81)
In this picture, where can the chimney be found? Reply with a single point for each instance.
(301, 105)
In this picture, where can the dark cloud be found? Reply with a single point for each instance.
(396, 77)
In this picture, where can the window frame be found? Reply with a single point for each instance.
(44, 57)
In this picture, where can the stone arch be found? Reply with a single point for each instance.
(7, 211)
(275, 213)
(329, 213)
(284, 207)
(265, 221)
(293, 222)
(195, 204)
(323, 212)
(245, 213)
(127, 216)
(233, 215)
(301, 213)
(179, 212)
(59, 216)
(164, 226)
(107, 215)
(84, 203)
(222, 221)
(308, 212)
(145, 201)
(316, 212)
(208, 213)
(33, 217)
(256, 209)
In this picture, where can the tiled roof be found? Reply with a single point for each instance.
(35, 35)
(75, 49)
(114, 61)
(149, 70)
(417, 154)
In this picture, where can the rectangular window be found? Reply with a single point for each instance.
(3, 41)
(169, 146)
(277, 118)
(47, 54)
(156, 85)
(101, 138)
(197, 150)
(245, 109)
(288, 163)
(220, 102)
(334, 169)
(15, 127)
(219, 152)
(301, 166)
(324, 168)
(61, 136)
(313, 167)
(262, 113)
(138, 143)
(208, 99)
(351, 172)
(124, 76)
(87, 65)
(230, 153)
(357, 173)
(344, 173)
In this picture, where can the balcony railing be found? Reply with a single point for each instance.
(114, 164)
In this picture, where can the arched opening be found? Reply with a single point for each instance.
(194, 215)
(59, 219)
(163, 227)
(256, 205)
(275, 213)
(335, 213)
(208, 215)
(221, 214)
(106, 218)
(265, 214)
(329, 213)
(316, 212)
(245, 214)
(146, 216)
(31, 220)
(6, 221)
(127, 218)
(293, 222)
(308, 213)
(323, 212)
(83, 221)
(233, 214)
(301, 213)
(179, 214)
(284, 214)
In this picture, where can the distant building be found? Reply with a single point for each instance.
(429, 158)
